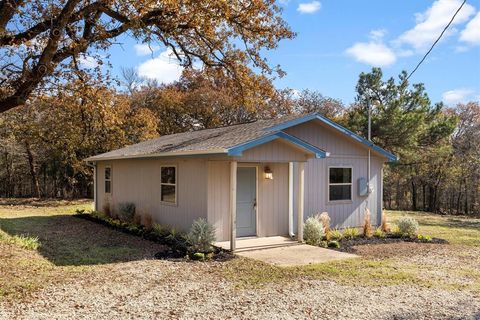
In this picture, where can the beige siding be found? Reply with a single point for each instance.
(138, 181)
(328, 139)
(218, 187)
(272, 202)
(343, 152)
(276, 151)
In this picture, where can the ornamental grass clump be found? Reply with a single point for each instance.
(367, 225)
(407, 227)
(201, 236)
(126, 211)
(384, 226)
(313, 231)
(350, 233)
(336, 234)
(324, 218)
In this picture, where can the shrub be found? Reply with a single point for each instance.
(106, 209)
(201, 236)
(333, 244)
(177, 241)
(395, 231)
(324, 218)
(313, 231)
(160, 231)
(379, 233)
(323, 244)
(384, 226)
(198, 256)
(137, 219)
(336, 234)
(407, 227)
(126, 211)
(367, 226)
(99, 215)
(350, 233)
(147, 221)
(424, 238)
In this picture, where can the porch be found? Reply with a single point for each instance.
(283, 251)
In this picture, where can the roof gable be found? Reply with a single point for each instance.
(337, 127)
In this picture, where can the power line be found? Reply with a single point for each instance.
(438, 39)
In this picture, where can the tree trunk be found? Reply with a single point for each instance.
(414, 196)
(33, 171)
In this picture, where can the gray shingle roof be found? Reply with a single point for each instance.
(200, 141)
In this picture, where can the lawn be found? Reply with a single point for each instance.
(47, 254)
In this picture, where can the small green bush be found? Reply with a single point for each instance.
(333, 244)
(323, 244)
(198, 256)
(126, 211)
(313, 231)
(407, 227)
(336, 234)
(378, 233)
(201, 236)
(350, 233)
(423, 238)
(160, 230)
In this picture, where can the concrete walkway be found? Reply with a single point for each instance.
(298, 255)
(282, 251)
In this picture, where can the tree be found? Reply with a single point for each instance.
(405, 122)
(54, 134)
(41, 40)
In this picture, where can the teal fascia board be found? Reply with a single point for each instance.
(237, 150)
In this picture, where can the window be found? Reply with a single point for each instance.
(108, 179)
(339, 183)
(168, 184)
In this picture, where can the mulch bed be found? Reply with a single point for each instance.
(348, 245)
(169, 254)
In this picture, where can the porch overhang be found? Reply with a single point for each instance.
(238, 150)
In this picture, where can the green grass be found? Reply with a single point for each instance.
(457, 230)
(23, 241)
(41, 243)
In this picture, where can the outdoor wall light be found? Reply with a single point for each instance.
(268, 173)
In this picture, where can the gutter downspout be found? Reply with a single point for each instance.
(290, 200)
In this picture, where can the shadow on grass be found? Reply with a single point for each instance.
(66, 240)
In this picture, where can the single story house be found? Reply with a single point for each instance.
(262, 178)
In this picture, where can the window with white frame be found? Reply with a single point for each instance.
(108, 180)
(168, 184)
(339, 183)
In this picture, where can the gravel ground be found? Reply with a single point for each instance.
(150, 289)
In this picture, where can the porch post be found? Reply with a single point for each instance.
(233, 204)
(300, 200)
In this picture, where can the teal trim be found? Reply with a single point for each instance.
(237, 150)
(319, 153)
(345, 131)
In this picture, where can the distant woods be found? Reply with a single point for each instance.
(43, 144)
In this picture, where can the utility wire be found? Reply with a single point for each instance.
(436, 41)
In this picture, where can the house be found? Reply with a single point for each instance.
(253, 179)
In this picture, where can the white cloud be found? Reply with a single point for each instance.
(145, 49)
(430, 23)
(309, 7)
(461, 49)
(372, 53)
(87, 61)
(378, 34)
(471, 33)
(457, 96)
(164, 68)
